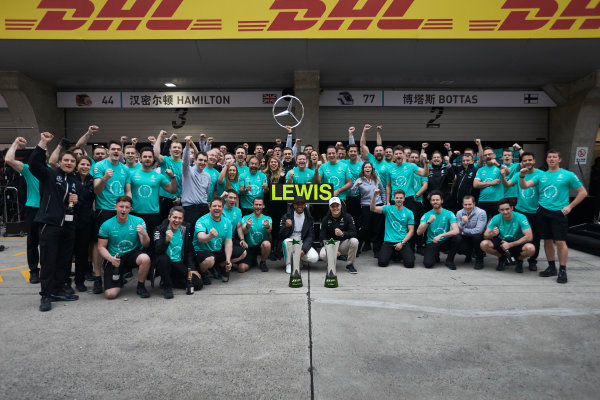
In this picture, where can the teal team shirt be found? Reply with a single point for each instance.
(114, 187)
(554, 188)
(33, 188)
(175, 166)
(514, 169)
(488, 173)
(354, 169)
(242, 171)
(134, 168)
(300, 177)
(122, 237)
(257, 232)
(235, 185)
(402, 177)
(418, 184)
(175, 246)
(442, 223)
(379, 166)
(205, 224)
(512, 229)
(214, 178)
(528, 199)
(396, 223)
(234, 215)
(335, 174)
(145, 187)
(256, 189)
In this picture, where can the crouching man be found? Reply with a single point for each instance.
(298, 224)
(174, 253)
(508, 234)
(339, 225)
(120, 242)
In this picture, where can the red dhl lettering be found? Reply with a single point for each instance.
(536, 14)
(82, 11)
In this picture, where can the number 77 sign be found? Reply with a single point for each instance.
(346, 98)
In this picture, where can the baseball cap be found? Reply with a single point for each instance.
(299, 199)
(335, 200)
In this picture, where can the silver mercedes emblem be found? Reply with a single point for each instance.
(288, 111)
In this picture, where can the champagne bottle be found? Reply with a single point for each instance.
(70, 213)
(189, 285)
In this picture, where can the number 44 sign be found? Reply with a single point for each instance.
(581, 155)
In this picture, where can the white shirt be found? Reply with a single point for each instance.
(298, 224)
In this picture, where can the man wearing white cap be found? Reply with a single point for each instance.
(339, 226)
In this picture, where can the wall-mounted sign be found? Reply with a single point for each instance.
(581, 155)
(312, 19)
(413, 98)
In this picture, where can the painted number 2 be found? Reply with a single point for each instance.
(181, 118)
(432, 123)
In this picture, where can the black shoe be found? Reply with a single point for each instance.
(468, 258)
(351, 269)
(168, 293)
(550, 271)
(562, 276)
(127, 275)
(263, 267)
(141, 291)
(205, 279)
(343, 257)
(81, 287)
(45, 304)
(34, 277)
(420, 250)
(97, 285)
(366, 246)
(501, 263)
(68, 289)
(450, 265)
(519, 267)
(215, 273)
(375, 254)
(533, 265)
(61, 295)
(89, 277)
(478, 263)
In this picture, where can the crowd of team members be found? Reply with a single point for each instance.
(177, 208)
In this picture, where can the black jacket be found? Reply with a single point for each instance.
(463, 185)
(85, 203)
(440, 178)
(345, 223)
(55, 187)
(308, 232)
(187, 250)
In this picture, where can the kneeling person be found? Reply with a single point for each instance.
(441, 227)
(174, 252)
(508, 232)
(257, 232)
(297, 224)
(399, 229)
(120, 242)
(212, 242)
(339, 225)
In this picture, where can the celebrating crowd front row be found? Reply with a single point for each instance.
(190, 213)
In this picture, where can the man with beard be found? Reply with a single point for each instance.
(440, 176)
(254, 186)
(145, 186)
(174, 253)
(257, 231)
(378, 157)
(527, 200)
(488, 180)
(401, 175)
(441, 228)
(172, 162)
(336, 173)
(196, 184)
(212, 242)
(120, 242)
(463, 183)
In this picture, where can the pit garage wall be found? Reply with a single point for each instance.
(257, 124)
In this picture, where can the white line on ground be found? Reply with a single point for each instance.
(546, 312)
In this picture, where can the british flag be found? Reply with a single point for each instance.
(269, 98)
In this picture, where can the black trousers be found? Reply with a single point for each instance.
(432, 251)
(419, 211)
(194, 212)
(354, 209)
(151, 220)
(83, 237)
(165, 205)
(387, 251)
(33, 238)
(372, 227)
(174, 274)
(56, 254)
(531, 218)
(490, 208)
(470, 243)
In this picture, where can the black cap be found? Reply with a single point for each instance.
(299, 199)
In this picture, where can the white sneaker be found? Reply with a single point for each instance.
(288, 268)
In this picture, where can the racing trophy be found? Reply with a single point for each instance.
(331, 248)
(294, 247)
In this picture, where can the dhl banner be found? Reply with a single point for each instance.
(304, 19)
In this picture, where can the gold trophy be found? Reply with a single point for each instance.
(294, 247)
(331, 248)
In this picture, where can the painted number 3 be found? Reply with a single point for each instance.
(181, 118)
